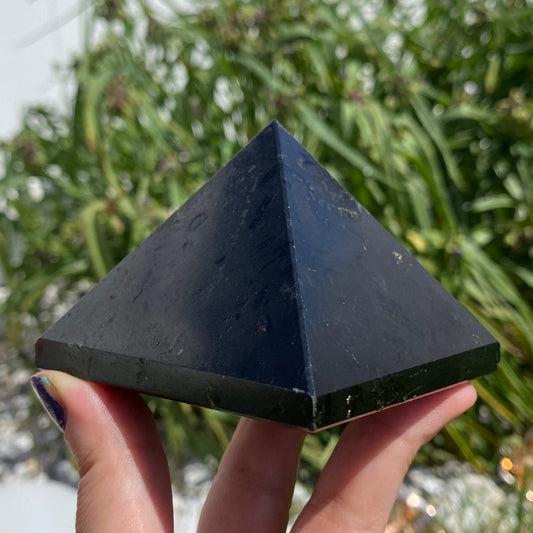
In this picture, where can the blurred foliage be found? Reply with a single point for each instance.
(422, 109)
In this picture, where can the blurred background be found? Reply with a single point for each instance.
(423, 109)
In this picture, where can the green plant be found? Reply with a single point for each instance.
(424, 110)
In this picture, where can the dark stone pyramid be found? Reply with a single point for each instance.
(272, 293)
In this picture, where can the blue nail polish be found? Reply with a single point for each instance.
(42, 387)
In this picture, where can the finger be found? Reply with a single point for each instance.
(358, 487)
(253, 488)
(124, 478)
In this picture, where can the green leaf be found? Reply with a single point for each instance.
(434, 130)
(488, 203)
(95, 244)
(330, 138)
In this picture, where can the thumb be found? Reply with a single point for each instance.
(124, 479)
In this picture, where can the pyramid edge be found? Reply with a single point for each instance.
(309, 376)
(340, 406)
(204, 389)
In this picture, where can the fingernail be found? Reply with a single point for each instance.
(45, 392)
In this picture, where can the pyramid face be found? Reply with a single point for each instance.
(272, 293)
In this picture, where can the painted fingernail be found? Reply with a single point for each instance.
(45, 392)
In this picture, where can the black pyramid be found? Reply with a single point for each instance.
(272, 293)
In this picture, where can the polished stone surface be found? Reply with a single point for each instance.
(272, 293)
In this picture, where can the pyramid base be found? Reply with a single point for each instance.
(257, 400)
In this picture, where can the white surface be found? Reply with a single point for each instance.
(37, 506)
(35, 37)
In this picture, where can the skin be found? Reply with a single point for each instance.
(125, 483)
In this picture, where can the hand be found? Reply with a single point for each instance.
(125, 484)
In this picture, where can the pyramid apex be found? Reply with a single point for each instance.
(275, 127)
(276, 124)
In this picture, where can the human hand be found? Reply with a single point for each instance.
(125, 484)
